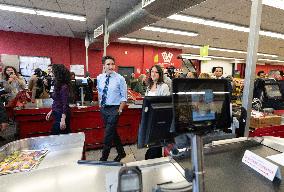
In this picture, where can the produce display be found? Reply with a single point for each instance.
(237, 91)
(19, 161)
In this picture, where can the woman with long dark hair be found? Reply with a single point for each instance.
(13, 82)
(60, 107)
(156, 85)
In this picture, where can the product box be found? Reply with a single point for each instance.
(266, 121)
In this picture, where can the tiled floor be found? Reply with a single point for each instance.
(132, 154)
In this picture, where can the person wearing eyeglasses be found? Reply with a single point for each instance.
(112, 92)
(13, 82)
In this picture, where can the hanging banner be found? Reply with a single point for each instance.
(204, 51)
(156, 58)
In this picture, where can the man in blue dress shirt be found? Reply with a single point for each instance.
(112, 91)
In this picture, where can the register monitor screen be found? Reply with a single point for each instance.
(156, 121)
(272, 89)
(201, 105)
(81, 81)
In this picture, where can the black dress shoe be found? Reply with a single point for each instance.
(2, 138)
(103, 159)
(119, 157)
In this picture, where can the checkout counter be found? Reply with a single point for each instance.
(224, 170)
(30, 122)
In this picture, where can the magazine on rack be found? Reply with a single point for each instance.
(19, 161)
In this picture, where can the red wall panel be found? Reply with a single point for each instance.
(266, 68)
(72, 51)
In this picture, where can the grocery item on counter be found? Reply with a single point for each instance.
(19, 161)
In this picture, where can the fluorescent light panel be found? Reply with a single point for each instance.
(187, 46)
(218, 24)
(211, 56)
(197, 57)
(271, 60)
(171, 31)
(19, 9)
(274, 3)
(61, 15)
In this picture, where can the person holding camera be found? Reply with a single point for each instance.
(13, 82)
(38, 85)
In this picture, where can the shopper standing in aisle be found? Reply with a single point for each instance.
(60, 107)
(112, 91)
(48, 81)
(156, 87)
(141, 85)
(218, 72)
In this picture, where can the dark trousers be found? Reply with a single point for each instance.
(154, 152)
(56, 126)
(110, 117)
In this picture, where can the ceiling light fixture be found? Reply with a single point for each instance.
(271, 60)
(17, 9)
(158, 42)
(40, 12)
(223, 25)
(171, 31)
(274, 3)
(187, 46)
(226, 58)
(184, 55)
(61, 15)
(195, 57)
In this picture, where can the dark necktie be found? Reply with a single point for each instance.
(104, 96)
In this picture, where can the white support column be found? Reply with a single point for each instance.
(106, 33)
(87, 43)
(87, 59)
(255, 20)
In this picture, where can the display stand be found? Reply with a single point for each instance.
(197, 160)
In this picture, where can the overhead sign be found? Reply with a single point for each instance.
(98, 31)
(146, 2)
(204, 51)
(167, 57)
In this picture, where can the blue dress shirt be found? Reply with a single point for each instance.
(117, 88)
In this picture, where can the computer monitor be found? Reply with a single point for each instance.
(81, 81)
(281, 86)
(201, 105)
(272, 89)
(156, 121)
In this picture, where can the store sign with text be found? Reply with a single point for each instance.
(165, 58)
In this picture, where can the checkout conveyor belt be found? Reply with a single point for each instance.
(224, 170)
